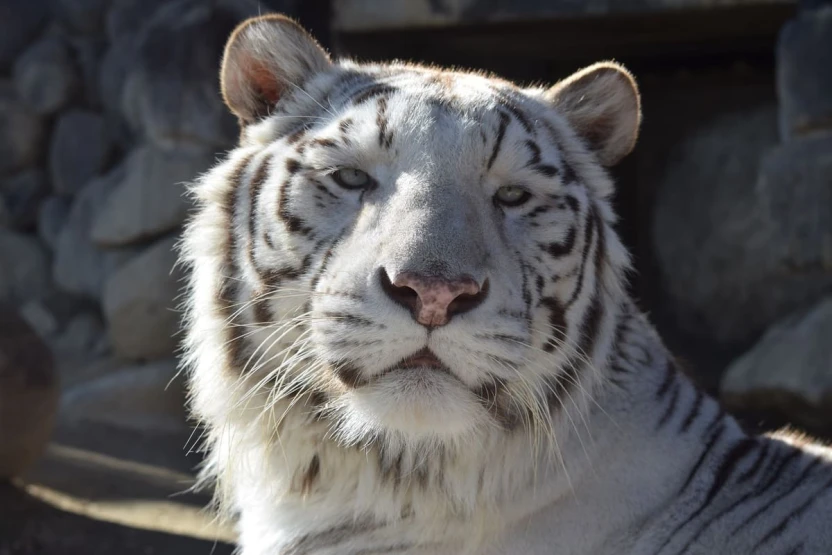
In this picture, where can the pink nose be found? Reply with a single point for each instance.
(433, 300)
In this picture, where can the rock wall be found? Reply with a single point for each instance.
(788, 372)
(107, 108)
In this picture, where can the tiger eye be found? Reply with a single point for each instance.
(512, 195)
(352, 178)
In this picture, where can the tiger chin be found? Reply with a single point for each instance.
(408, 329)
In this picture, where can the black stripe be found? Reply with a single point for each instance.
(557, 323)
(795, 514)
(717, 433)
(589, 233)
(498, 142)
(694, 411)
(763, 488)
(255, 186)
(671, 406)
(772, 479)
(507, 104)
(669, 375)
(535, 152)
(229, 286)
(559, 250)
(385, 137)
(546, 169)
(373, 91)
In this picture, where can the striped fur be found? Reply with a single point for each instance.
(561, 425)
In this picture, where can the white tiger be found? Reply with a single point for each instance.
(408, 330)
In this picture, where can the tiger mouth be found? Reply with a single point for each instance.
(423, 358)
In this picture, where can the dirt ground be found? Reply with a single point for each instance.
(98, 491)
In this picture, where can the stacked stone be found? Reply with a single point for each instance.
(789, 370)
(107, 108)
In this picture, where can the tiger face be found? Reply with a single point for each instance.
(425, 254)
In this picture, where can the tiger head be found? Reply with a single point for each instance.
(417, 253)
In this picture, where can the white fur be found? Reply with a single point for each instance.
(416, 453)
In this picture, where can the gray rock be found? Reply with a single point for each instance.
(28, 394)
(755, 253)
(52, 313)
(22, 132)
(143, 397)
(81, 16)
(79, 266)
(52, 215)
(150, 200)
(804, 73)
(5, 214)
(79, 150)
(45, 75)
(83, 335)
(24, 268)
(789, 371)
(112, 73)
(88, 53)
(23, 194)
(139, 304)
(20, 21)
(175, 72)
(705, 205)
(129, 16)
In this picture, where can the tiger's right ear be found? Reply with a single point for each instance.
(263, 58)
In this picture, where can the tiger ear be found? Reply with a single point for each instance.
(263, 58)
(601, 103)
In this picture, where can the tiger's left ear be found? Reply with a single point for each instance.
(602, 104)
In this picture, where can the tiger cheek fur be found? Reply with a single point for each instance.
(408, 330)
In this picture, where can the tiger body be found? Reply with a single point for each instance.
(536, 412)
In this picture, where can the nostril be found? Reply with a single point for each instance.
(401, 294)
(468, 301)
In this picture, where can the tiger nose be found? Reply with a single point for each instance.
(434, 300)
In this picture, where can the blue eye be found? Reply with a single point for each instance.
(511, 195)
(351, 178)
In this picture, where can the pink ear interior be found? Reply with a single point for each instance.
(262, 81)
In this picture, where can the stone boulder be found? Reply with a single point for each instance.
(45, 75)
(145, 398)
(140, 304)
(88, 52)
(150, 201)
(171, 92)
(79, 150)
(127, 17)
(79, 266)
(20, 21)
(788, 372)
(804, 73)
(22, 132)
(81, 16)
(53, 213)
(5, 214)
(24, 268)
(29, 393)
(741, 244)
(23, 194)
